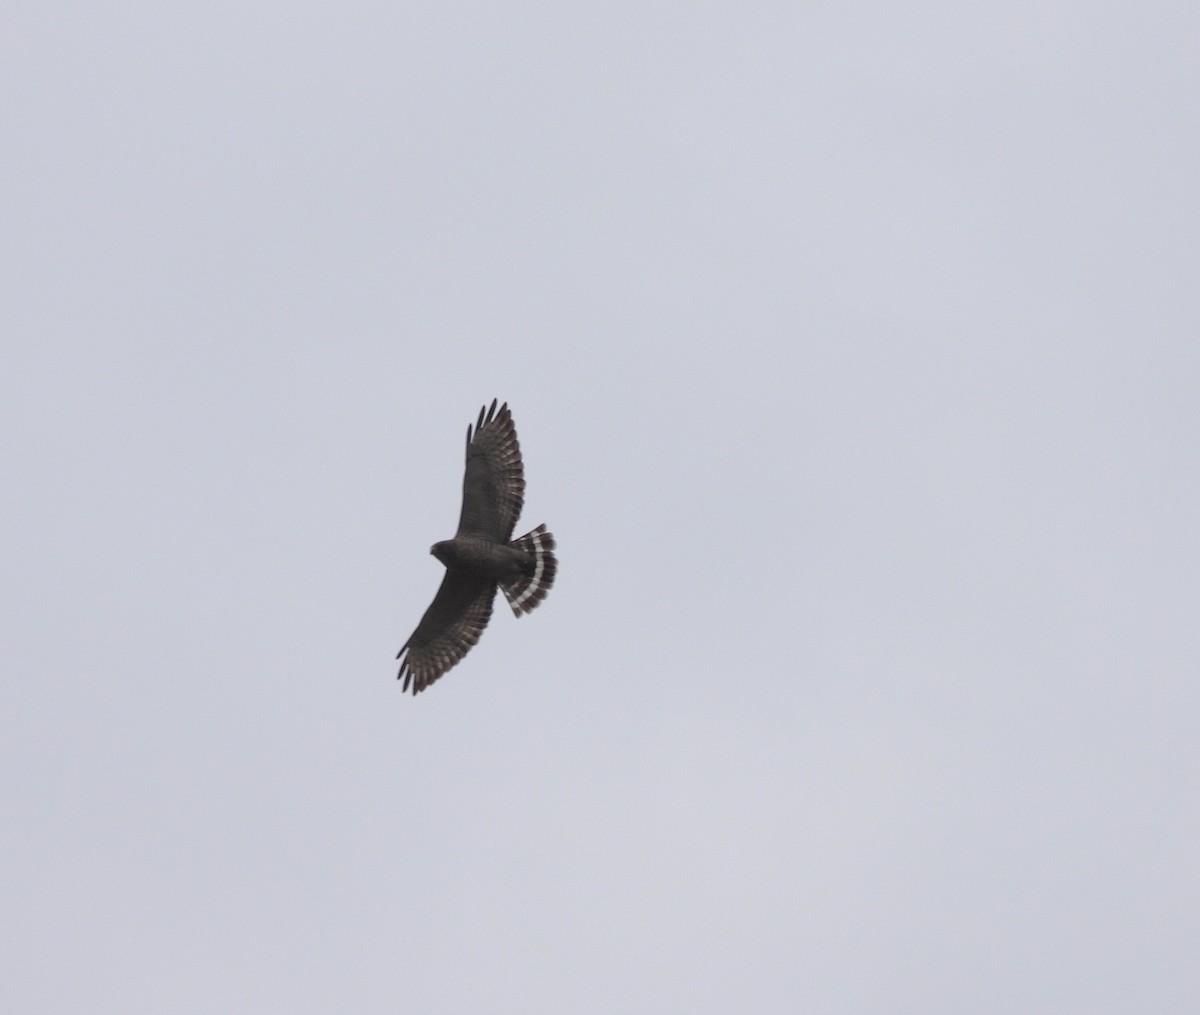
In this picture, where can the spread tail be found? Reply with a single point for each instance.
(525, 590)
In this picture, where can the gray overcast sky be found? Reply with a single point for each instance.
(854, 353)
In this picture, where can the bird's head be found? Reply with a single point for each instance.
(441, 550)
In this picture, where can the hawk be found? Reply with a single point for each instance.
(481, 556)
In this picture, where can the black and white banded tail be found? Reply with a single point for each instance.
(525, 590)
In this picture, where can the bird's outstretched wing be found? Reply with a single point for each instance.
(494, 484)
(452, 624)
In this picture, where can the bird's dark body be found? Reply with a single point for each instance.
(482, 557)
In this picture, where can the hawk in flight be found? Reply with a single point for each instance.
(481, 556)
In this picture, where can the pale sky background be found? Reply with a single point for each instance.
(855, 354)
